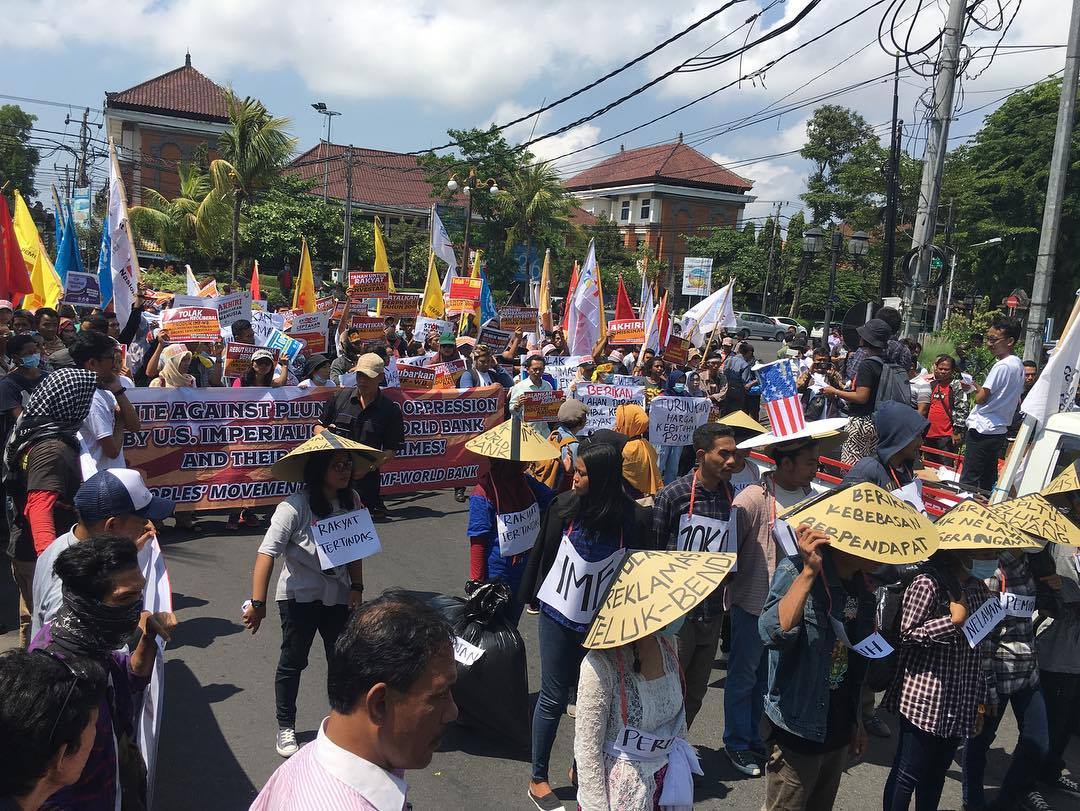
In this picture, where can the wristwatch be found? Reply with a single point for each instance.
(257, 603)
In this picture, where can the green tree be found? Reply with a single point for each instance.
(847, 181)
(735, 253)
(197, 215)
(534, 205)
(254, 149)
(18, 160)
(792, 266)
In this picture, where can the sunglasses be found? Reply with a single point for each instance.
(76, 677)
(342, 465)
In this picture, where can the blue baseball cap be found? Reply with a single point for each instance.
(119, 491)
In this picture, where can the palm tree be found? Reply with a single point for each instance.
(253, 150)
(535, 203)
(197, 212)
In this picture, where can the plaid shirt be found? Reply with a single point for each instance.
(1013, 641)
(670, 505)
(941, 679)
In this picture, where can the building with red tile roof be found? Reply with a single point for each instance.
(171, 118)
(659, 194)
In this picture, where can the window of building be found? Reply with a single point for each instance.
(646, 209)
(624, 214)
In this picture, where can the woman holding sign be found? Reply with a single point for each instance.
(588, 529)
(319, 582)
(505, 509)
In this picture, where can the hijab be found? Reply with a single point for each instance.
(505, 487)
(170, 376)
(640, 468)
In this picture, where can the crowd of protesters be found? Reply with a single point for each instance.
(797, 703)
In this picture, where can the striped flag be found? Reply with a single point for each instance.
(781, 398)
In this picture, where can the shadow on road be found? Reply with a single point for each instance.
(193, 754)
(200, 632)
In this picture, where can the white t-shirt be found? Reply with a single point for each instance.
(48, 592)
(310, 384)
(1006, 384)
(750, 474)
(100, 423)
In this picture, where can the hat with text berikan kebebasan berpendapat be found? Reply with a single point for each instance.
(652, 590)
(869, 522)
(290, 467)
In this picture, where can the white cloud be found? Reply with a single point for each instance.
(550, 149)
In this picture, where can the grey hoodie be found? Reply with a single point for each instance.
(897, 424)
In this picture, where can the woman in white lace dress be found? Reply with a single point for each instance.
(630, 717)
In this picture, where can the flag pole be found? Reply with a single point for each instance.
(649, 329)
(1024, 436)
(712, 334)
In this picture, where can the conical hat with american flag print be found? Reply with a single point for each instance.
(787, 423)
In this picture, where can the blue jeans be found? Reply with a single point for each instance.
(668, 462)
(744, 691)
(1029, 707)
(560, 663)
(918, 770)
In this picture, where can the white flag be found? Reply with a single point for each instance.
(583, 325)
(442, 247)
(710, 313)
(192, 283)
(648, 314)
(123, 262)
(1055, 387)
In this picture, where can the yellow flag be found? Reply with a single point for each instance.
(433, 305)
(43, 278)
(304, 292)
(382, 264)
(545, 293)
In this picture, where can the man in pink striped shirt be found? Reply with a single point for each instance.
(389, 684)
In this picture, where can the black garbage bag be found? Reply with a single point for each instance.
(492, 693)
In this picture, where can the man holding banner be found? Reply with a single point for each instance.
(363, 414)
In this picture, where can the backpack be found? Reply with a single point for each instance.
(892, 385)
(549, 472)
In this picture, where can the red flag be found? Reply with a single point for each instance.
(14, 280)
(255, 281)
(569, 298)
(623, 308)
(663, 323)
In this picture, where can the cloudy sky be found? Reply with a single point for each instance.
(401, 73)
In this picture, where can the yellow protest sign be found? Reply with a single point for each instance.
(869, 522)
(652, 590)
(970, 525)
(1065, 482)
(1037, 516)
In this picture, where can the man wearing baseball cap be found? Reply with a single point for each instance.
(115, 501)
(363, 414)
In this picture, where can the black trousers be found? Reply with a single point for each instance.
(299, 622)
(368, 488)
(981, 455)
(1062, 692)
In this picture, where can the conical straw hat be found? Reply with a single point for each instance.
(1037, 516)
(970, 525)
(740, 419)
(290, 467)
(502, 442)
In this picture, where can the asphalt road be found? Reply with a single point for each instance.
(217, 746)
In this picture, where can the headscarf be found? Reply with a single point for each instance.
(170, 376)
(87, 627)
(505, 487)
(640, 468)
(56, 410)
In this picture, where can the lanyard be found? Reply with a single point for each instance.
(693, 492)
(895, 478)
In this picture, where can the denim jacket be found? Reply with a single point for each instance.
(798, 694)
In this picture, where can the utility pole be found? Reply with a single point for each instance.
(775, 237)
(892, 191)
(1055, 192)
(348, 215)
(84, 138)
(933, 166)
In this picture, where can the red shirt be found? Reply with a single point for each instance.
(940, 415)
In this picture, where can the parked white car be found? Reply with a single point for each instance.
(785, 322)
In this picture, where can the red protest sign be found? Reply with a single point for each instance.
(464, 295)
(415, 377)
(677, 351)
(541, 406)
(368, 285)
(325, 305)
(447, 375)
(523, 318)
(401, 305)
(371, 327)
(238, 358)
(191, 324)
(626, 331)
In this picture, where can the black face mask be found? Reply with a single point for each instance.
(86, 626)
(356, 347)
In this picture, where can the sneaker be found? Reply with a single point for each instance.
(286, 742)
(876, 727)
(760, 753)
(379, 512)
(571, 710)
(459, 495)
(1065, 784)
(744, 761)
(549, 802)
(1034, 801)
(532, 608)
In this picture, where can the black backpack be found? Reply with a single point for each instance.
(893, 383)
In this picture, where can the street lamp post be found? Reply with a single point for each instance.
(813, 243)
(321, 108)
(470, 182)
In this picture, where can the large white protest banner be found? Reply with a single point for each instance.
(602, 400)
(673, 420)
(157, 596)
